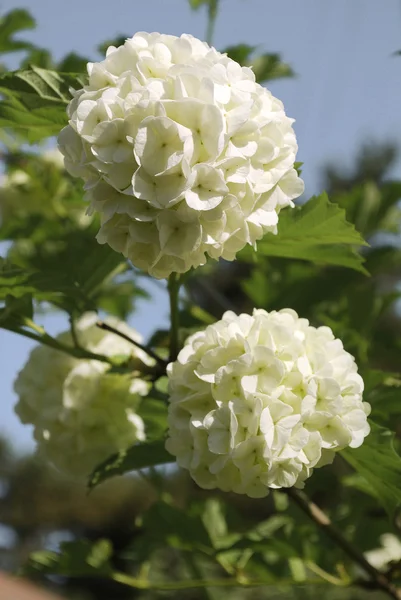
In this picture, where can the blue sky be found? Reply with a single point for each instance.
(347, 91)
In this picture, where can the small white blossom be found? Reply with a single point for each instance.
(257, 402)
(81, 413)
(182, 153)
(390, 551)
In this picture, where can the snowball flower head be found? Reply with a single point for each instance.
(81, 413)
(183, 154)
(256, 402)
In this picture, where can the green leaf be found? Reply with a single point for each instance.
(153, 411)
(176, 528)
(241, 53)
(383, 392)
(117, 41)
(11, 23)
(195, 4)
(16, 311)
(73, 63)
(99, 265)
(35, 101)
(76, 559)
(40, 57)
(266, 66)
(316, 231)
(140, 456)
(270, 66)
(214, 520)
(380, 466)
(75, 287)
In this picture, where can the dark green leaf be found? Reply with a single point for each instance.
(241, 53)
(140, 456)
(16, 311)
(383, 392)
(116, 41)
(380, 466)
(73, 63)
(266, 66)
(270, 66)
(176, 528)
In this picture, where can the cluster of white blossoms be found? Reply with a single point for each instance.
(183, 154)
(258, 401)
(81, 413)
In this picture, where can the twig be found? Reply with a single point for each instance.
(173, 290)
(211, 20)
(202, 583)
(325, 575)
(74, 334)
(197, 574)
(323, 521)
(160, 361)
(47, 340)
(214, 294)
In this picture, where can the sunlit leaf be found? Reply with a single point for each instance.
(35, 101)
(316, 231)
(140, 456)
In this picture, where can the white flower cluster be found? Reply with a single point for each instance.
(258, 401)
(81, 413)
(183, 154)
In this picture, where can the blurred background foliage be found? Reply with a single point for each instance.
(157, 526)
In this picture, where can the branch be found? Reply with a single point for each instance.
(323, 521)
(189, 584)
(160, 361)
(211, 20)
(47, 340)
(173, 290)
(74, 334)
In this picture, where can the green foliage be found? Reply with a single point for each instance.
(316, 231)
(182, 537)
(75, 559)
(116, 41)
(153, 411)
(35, 101)
(16, 311)
(12, 23)
(177, 528)
(72, 289)
(380, 466)
(140, 456)
(266, 66)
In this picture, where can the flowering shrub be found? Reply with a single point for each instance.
(80, 411)
(183, 154)
(185, 157)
